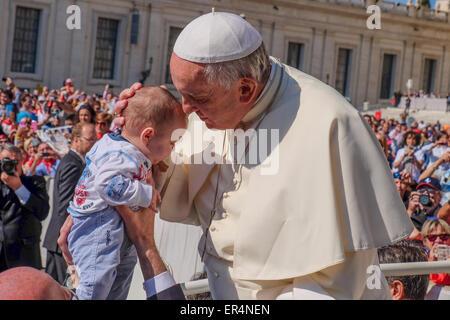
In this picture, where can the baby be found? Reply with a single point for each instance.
(118, 172)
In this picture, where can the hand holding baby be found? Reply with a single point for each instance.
(156, 196)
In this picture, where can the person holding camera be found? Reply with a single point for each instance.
(24, 131)
(46, 161)
(435, 152)
(408, 158)
(424, 202)
(23, 205)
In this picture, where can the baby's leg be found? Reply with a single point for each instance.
(128, 260)
(95, 247)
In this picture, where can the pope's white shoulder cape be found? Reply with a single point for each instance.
(333, 192)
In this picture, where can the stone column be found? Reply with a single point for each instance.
(156, 42)
(364, 61)
(316, 60)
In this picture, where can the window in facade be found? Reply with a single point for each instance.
(26, 32)
(342, 83)
(105, 48)
(429, 75)
(387, 76)
(295, 55)
(173, 35)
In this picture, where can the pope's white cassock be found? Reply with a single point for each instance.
(309, 231)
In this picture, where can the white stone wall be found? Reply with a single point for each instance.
(323, 26)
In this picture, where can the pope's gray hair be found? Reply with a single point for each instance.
(255, 66)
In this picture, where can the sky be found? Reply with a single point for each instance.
(432, 2)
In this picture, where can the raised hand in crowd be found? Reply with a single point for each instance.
(414, 203)
(407, 178)
(12, 181)
(445, 158)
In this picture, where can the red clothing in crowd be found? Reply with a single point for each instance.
(28, 162)
(48, 164)
(99, 136)
(7, 126)
(440, 278)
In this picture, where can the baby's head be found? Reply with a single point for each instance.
(152, 115)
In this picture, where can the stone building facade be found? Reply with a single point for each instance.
(121, 42)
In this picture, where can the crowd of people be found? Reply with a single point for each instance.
(417, 153)
(421, 94)
(27, 162)
(419, 157)
(23, 113)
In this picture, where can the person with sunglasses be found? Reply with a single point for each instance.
(436, 235)
(103, 122)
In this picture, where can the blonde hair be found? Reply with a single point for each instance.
(108, 118)
(431, 225)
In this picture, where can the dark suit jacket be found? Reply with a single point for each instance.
(66, 178)
(172, 293)
(20, 225)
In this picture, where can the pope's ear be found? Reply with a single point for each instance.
(247, 89)
(147, 134)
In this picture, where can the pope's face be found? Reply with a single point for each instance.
(217, 107)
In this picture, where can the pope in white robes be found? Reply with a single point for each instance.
(311, 229)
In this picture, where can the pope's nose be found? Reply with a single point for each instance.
(187, 107)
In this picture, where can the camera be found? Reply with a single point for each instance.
(424, 200)
(4, 79)
(7, 165)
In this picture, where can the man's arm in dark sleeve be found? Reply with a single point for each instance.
(173, 293)
(163, 287)
(67, 182)
(37, 203)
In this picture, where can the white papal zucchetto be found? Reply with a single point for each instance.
(217, 37)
